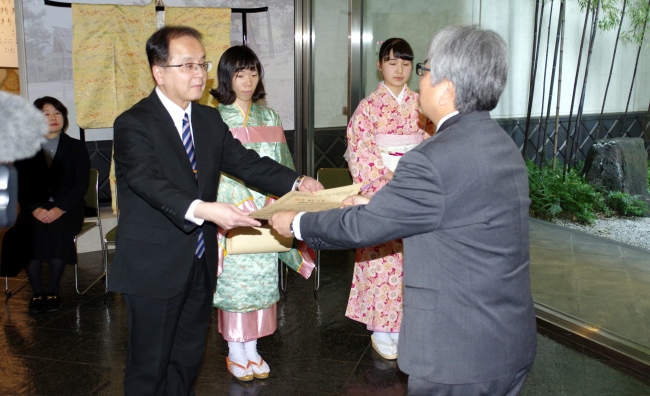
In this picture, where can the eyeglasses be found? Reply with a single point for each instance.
(192, 67)
(420, 69)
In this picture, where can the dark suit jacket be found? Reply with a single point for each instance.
(460, 201)
(155, 245)
(66, 181)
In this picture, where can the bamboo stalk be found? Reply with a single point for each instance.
(573, 96)
(533, 74)
(550, 91)
(541, 134)
(636, 64)
(592, 39)
(559, 85)
(611, 68)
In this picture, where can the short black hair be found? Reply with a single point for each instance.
(158, 43)
(56, 103)
(233, 60)
(401, 50)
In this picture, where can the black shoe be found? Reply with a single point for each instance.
(37, 304)
(53, 302)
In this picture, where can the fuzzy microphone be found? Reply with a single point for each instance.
(22, 128)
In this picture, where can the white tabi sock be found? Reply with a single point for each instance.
(236, 353)
(383, 337)
(260, 367)
(250, 348)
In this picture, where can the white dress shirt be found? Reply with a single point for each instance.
(177, 115)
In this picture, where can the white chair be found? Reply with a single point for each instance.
(92, 201)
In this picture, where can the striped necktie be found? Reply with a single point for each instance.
(189, 149)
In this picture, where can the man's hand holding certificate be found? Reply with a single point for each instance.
(308, 202)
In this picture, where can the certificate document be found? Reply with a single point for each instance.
(331, 198)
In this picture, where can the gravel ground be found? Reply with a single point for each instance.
(631, 230)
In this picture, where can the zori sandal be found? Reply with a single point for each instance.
(239, 371)
(261, 370)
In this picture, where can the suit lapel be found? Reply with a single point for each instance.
(166, 131)
(455, 121)
(62, 149)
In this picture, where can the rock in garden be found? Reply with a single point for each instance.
(619, 164)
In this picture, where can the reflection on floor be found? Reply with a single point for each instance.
(602, 282)
(316, 350)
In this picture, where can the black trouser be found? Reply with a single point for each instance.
(167, 337)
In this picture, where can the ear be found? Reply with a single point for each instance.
(158, 75)
(448, 95)
(378, 66)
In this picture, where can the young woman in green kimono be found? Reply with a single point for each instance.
(247, 286)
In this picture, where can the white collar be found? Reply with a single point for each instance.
(174, 110)
(398, 98)
(445, 118)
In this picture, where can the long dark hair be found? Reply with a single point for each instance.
(401, 50)
(41, 102)
(233, 60)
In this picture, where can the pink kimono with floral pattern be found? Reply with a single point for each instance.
(376, 295)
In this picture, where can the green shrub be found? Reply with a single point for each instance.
(573, 198)
(624, 204)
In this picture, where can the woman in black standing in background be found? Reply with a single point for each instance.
(51, 190)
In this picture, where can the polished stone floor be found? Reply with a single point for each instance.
(316, 350)
(600, 281)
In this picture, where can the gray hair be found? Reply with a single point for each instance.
(474, 60)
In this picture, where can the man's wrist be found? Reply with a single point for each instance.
(294, 226)
(189, 215)
(296, 184)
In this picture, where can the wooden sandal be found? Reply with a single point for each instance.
(262, 374)
(380, 347)
(232, 366)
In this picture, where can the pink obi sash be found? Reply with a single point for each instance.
(393, 147)
(259, 134)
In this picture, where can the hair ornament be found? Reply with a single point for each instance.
(378, 46)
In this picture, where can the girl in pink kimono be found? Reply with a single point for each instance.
(385, 125)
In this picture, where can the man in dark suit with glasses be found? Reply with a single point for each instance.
(169, 153)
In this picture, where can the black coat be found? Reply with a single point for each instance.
(155, 244)
(66, 182)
